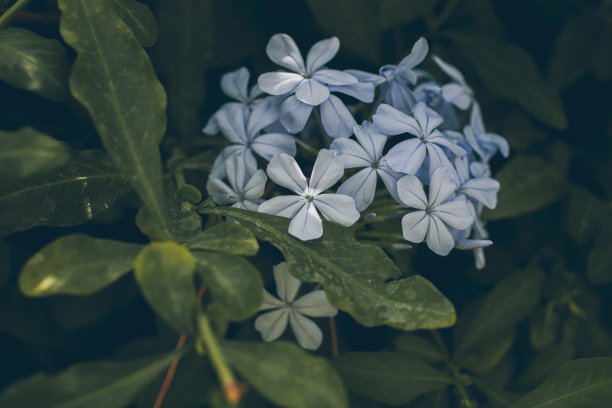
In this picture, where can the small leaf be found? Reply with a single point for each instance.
(139, 18)
(115, 81)
(584, 215)
(226, 237)
(184, 225)
(287, 375)
(76, 265)
(164, 271)
(511, 72)
(70, 195)
(34, 63)
(599, 264)
(26, 152)
(419, 347)
(582, 383)
(388, 377)
(354, 275)
(100, 384)
(233, 283)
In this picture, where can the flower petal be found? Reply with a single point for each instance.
(361, 90)
(361, 187)
(315, 304)
(236, 172)
(371, 139)
(351, 153)
(439, 238)
(437, 158)
(272, 324)
(279, 83)
(312, 92)
(286, 285)
(457, 95)
(306, 331)
(321, 53)
(415, 225)
(398, 95)
(263, 114)
(407, 156)
(391, 121)
(306, 224)
(336, 118)
(455, 214)
(283, 206)
(282, 50)
(337, 208)
(327, 170)
(220, 192)
(427, 118)
(441, 187)
(440, 139)
(368, 77)
(294, 114)
(270, 302)
(476, 119)
(334, 77)
(284, 171)
(417, 54)
(234, 84)
(449, 70)
(256, 185)
(390, 178)
(271, 144)
(231, 121)
(411, 192)
(482, 189)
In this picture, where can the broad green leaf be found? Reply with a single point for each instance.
(29, 61)
(389, 377)
(355, 22)
(355, 276)
(599, 264)
(139, 18)
(233, 283)
(511, 72)
(489, 352)
(226, 237)
(508, 303)
(287, 375)
(76, 265)
(419, 347)
(582, 383)
(73, 194)
(164, 271)
(184, 225)
(114, 79)
(439, 398)
(26, 152)
(584, 215)
(496, 397)
(100, 384)
(544, 364)
(396, 12)
(528, 183)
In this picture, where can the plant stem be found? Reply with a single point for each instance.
(10, 13)
(440, 343)
(334, 336)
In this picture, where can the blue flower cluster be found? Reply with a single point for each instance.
(434, 168)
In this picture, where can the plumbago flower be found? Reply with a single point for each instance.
(367, 154)
(302, 208)
(245, 186)
(286, 308)
(458, 92)
(309, 85)
(484, 144)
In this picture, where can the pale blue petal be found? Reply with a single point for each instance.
(389, 178)
(251, 205)
(255, 92)
(286, 285)
(270, 302)
(351, 153)
(294, 114)
(315, 304)
(334, 77)
(272, 324)
(476, 119)
(263, 114)
(306, 224)
(306, 332)
(439, 139)
(256, 185)
(454, 213)
(327, 170)
(282, 206)
(363, 76)
(407, 156)
(479, 169)
(279, 83)
(220, 192)
(321, 53)
(398, 95)
(449, 70)
(437, 158)
(417, 54)
(336, 118)
(391, 121)
(497, 141)
(441, 186)
(231, 120)
(469, 244)
(236, 171)
(484, 190)
(411, 193)
(457, 95)
(470, 137)
(312, 92)
(211, 127)
(362, 91)
(218, 167)
(337, 208)
(271, 144)
(361, 187)
(234, 84)
(371, 139)
(439, 238)
(284, 171)
(282, 50)
(427, 119)
(415, 225)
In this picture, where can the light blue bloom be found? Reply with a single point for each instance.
(245, 186)
(302, 208)
(435, 215)
(457, 92)
(368, 154)
(463, 242)
(431, 94)
(408, 156)
(483, 143)
(481, 189)
(286, 308)
(242, 128)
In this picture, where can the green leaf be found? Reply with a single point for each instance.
(100, 384)
(226, 237)
(508, 303)
(76, 265)
(582, 383)
(489, 352)
(437, 399)
(233, 283)
(396, 12)
(419, 347)
(26, 152)
(544, 364)
(114, 79)
(34, 63)
(584, 215)
(599, 264)
(164, 271)
(70, 195)
(287, 375)
(510, 72)
(354, 275)
(389, 377)
(139, 19)
(528, 183)
(496, 397)
(544, 327)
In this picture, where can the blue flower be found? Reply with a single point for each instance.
(483, 143)
(457, 92)
(245, 186)
(481, 189)
(435, 215)
(306, 223)
(408, 156)
(272, 324)
(368, 154)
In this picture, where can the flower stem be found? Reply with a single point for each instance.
(334, 336)
(10, 13)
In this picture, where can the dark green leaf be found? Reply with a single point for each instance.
(437, 399)
(87, 385)
(114, 79)
(599, 264)
(520, 131)
(164, 271)
(34, 63)
(76, 265)
(184, 225)
(70, 195)
(226, 237)
(489, 352)
(496, 397)
(543, 364)
(584, 215)
(582, 383)
(139, 18)
(544, 327)
(354, 275)
(396, 12)
(510, 72)
(419, 347)
(387, 377)
(286, 374)
(233, 283)
(26, 152)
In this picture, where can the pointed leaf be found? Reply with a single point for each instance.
(419, 347)
(139, 18)
(226, 237)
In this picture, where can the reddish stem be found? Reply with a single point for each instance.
(334, 336)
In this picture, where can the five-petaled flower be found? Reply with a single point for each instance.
(245, 186)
